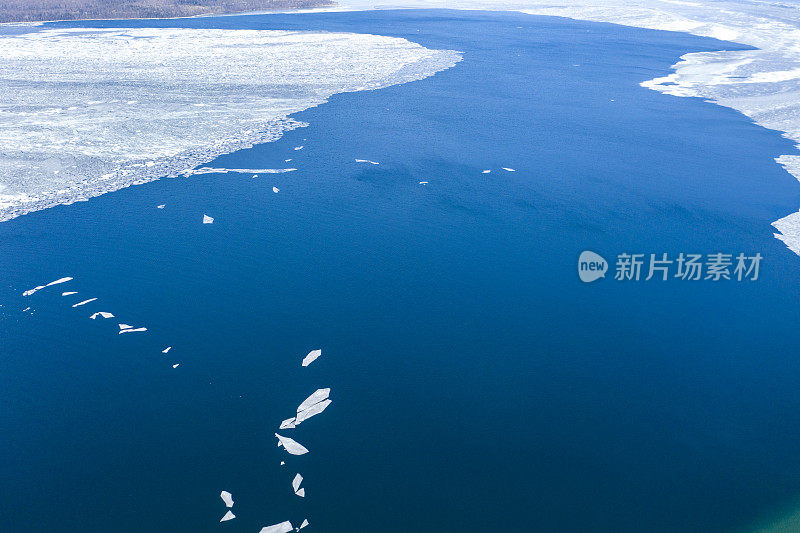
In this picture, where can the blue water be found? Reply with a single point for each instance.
(477, 384)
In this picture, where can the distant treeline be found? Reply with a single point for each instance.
(36, 10)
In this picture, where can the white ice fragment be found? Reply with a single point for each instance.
(26, 309)
(228, 516)
(423, 182)
(167, 349)
(311, 411)
(288, 423)
(367, 161)
(176, 365)
(301, 493)
(316, 397)
(60, 280)
(283, 527)
(298, 147)
(291, 446)
(40, 287)
(69, 293)
(84, 302)
(102, 314)
(124, 326)
(287, 160)
(162, 206)
(304, 524)
(227, 497)
(298, 479)
(132, 330)
(283, 463)
(255, 175)
(508, 169)
(311, 357)
(276, 190)
(486, 172)
(207, 219)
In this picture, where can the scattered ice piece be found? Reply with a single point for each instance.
(255, 175)
(124, 326)
(311, 357)
(298, 147)
(26, 309)
(101, 314)
(287, 160)
(296, 482)
(40, 287)
(207, 219)
(311, 411)
(60, 280)
(167, 349)
(508, 169)
(288, 423)
(316, 397)
(69, 293)
(367, 161)
(283, 527)
(423, 182)
(228, 516)
(304, 524)
(301, 493)
(176, 365)
(84, 302)
(486, 172)
(227, 497)
(162, 206)
(283, 463)
(291, 446)
(132, 330)
(276, 190)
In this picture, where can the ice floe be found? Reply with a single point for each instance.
(40, 287)
(508, 169)
(276, 190)
(298, 147)
(162, 206)
(228, 80)
(103, 314)
(312, 356)
(313, 405)
(68, 293)
(166, 350)
(283, 527)
(486, 172)
(58, 281)
(423, 182)
(367, 161)
(291, 445)
(90, 300)
(207, 219)
(227, 497)
(289, 423)
(303, 525)
(228, 516)
(298, 479)
(132, 330)
(176, 365)
(254, 171)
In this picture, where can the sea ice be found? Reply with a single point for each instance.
(69, 293)
(124, 326)
(486, 172)
(289, 423)
(290, 445)
(167, 349)
(311, 411)
(298, 147)
(176, 365)
(311, 357)
(301, 492)
(131, 330)
(423, 182)
(90, 300)
(227, 497)
(40, 287)
(276, 190)
(58, 281)
(508, 169)
(102, 314)
(367, 161)
(207, 219)
(283, 527)
(304, 524)
(162, 206)
(298, 479)
(228, 516)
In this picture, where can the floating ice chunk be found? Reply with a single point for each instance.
(289, 423)
(283, 527)
(167, 349)
(367, 161)
(283, 463)
(124, 326)
(486, 172)
(84, 302)
(131, 330)
(101, 314)
(311, 411)
(255, 175)
(228, 516)
(26, 309)
(58, 281)
(287, 160)
(508, 169)
(162, 206)
(69, 293)
(316, 397)
(301, 493)
(227, 497)
(423, 182)
(207, 219)
(40, 287)
(311, 357)
(33, 290)
(298, 147)
(176, 365)
(291, 446)
(298, 479)
(276, 190)
(304, 524)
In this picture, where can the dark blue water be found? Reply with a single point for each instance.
(477, 384)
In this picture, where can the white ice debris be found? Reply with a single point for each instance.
(304, 524)
(287, 160)
(423, 182)
(298, 147)
(102, 314)
(227, 497)
(301, 492)
(283, 463)
(207, 219)
(125, 326)
(276, 190)
(290, 445)
(26, 309)
(228, 516)
(68, 293)
(218, 170)
(289, 423)
(508, 169)
(311, 357)
(283, 527)
(313, 405)
(167, 349)
(40, 287)
(90, 300)
(162, 206)
(298, 479)
(176, 365)
(367, 161)
(131, 330)
(486, 172)
(227, 79)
